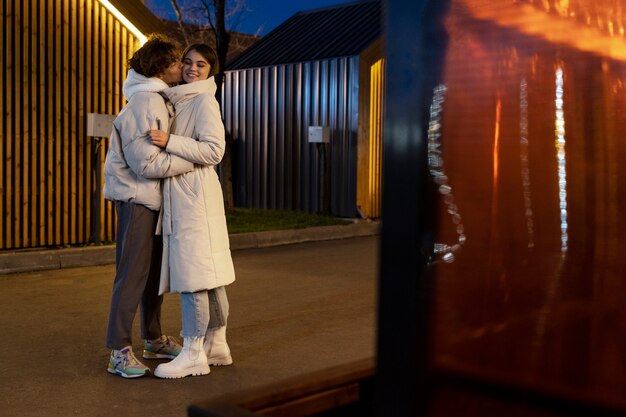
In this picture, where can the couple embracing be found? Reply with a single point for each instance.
(171, 226)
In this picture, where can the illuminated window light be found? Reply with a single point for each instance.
(142, 38)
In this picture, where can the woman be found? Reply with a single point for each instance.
(196, 254)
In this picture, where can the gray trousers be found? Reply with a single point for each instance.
(138, 267)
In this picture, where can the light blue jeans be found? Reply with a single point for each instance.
(203, 311)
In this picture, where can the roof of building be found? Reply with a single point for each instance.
(331, 32)
(139, 15)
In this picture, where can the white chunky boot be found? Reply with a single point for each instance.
(216, 348)
(190, 361)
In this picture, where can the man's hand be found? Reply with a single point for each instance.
(159, 138)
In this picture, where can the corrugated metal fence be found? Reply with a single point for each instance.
(61, 59)
(268, 111)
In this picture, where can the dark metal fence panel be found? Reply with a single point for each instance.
(268, 112)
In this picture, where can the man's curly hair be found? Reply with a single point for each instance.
(155, 56)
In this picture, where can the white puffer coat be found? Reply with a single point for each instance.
(134, 166)
(196, 249)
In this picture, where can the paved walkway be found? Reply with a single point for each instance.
(295, 309)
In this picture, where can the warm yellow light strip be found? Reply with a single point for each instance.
(125, 21)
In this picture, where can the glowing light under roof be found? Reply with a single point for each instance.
(142, 38)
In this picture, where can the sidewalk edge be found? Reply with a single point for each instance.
(41, 260)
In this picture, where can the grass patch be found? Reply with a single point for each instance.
(241, 220)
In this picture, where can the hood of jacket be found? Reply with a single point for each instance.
(184, 92)
(136, 83)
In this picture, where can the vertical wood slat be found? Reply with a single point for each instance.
(102, 104)
(97, 100)
(34, 124)
(34, 140)
(108, 63)
(29, 132)
(3, 137)
(26, 127)
(41, 132)
(92, 70)
(50, 129)
(19, 133)
(8, 88)
(117, 65)
(77, 143)
(57, 119)
(66, 120)
(87, 46)
(17, 127)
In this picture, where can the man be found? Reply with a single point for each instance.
(133, 169)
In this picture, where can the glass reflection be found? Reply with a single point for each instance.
(525, 171)
(605, 15)
(532, 138)
(560, 156)
(435, 164)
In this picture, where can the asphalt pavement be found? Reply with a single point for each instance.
(295, 308)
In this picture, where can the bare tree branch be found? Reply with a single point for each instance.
(179, 17)
(209, 13)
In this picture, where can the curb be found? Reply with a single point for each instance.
(42, 260)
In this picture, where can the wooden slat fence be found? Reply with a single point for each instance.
(61, 60)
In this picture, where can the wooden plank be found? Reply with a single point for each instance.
(3, 139)
(58, 192)
(8, 93)
(50, 125)
(71, 156)
(24, 88)
(18, 132)
(109, 59)
(122, 56)
(107, 223)
(99, 72)
(9, 90)
(34, 137)
(88, 108)
(78, 137)
(48, 22)
(43, 71)
(67, 71)
(115, 51)
(107, 62)
(95, 74)
(22, 128)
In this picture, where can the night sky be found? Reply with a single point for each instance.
(261, 16)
